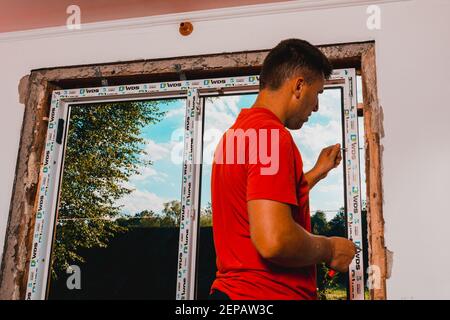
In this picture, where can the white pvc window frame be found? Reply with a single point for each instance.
(194, 91)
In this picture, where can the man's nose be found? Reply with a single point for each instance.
(316, 108)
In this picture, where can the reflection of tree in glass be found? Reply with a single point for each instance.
(169, 217)
(206, 216)
(103, 150)
(319, 223)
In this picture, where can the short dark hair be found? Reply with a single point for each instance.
(289, 58)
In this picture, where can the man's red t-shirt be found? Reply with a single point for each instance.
(242, 272)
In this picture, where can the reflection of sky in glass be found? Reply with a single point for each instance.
(323, 129)
(161, 181)
(220, 114)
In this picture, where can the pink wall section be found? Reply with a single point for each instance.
(18, 15)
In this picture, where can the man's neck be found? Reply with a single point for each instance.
(273, 101)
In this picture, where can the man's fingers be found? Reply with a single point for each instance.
(331, 149)
(335, 150)
(338, 160)
(327, 150)
(333, 153)
(339, 155)
(336, 155)
(336, 163)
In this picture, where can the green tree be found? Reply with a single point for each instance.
(104, 149)
(206, 216)
(335, 287)
(319, 224)
(169, 217)
(337, 226)
(143, 219)
(171, 214)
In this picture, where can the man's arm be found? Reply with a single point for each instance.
(279, 239)
(313, 176)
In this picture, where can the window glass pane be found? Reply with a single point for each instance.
(327, 198)
(220, 114)
(120, 201)
(323, 129)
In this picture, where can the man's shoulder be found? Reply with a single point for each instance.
(269, 129)
(261, 121)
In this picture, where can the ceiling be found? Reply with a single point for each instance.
(17, 15)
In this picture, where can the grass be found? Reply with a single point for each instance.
(338, 293)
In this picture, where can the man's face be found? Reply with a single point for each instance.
(304, 100)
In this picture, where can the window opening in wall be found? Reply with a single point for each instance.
(182, 129)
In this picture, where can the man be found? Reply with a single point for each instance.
(261, 218)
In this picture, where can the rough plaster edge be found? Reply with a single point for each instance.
(373, 123)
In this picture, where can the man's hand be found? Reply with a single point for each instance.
(329, 158)
(280, 240)
(342, 253)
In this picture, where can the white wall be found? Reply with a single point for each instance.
(413, 65)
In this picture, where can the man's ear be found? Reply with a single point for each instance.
(297, 86)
